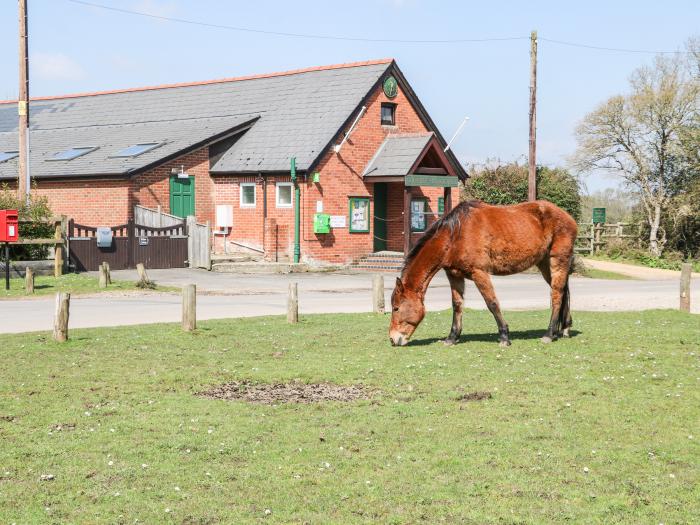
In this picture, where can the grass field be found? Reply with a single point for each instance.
(75, 283)
(600, 428)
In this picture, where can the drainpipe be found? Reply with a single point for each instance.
(293, 173)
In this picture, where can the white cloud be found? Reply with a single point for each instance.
(55, 66)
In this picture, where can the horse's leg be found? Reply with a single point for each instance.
(482, 280)
(561, 316)
(457, 286)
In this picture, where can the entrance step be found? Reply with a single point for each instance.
(235, 257)
(380, 262)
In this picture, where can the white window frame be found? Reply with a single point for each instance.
(278, 204)
(240, 195)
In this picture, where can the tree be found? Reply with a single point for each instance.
(497, 183)
(648, 137)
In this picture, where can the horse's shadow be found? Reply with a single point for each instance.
(491, 337)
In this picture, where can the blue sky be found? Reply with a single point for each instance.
(79, 48)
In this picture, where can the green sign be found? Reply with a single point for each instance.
(598, 215)
(434, 181)
(391, 87)
(441, 205)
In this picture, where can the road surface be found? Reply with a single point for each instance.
(233, 295)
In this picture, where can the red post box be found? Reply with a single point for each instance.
(9, 226)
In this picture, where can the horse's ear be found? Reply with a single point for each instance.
(399, 284)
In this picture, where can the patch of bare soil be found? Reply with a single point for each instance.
(475, 396)
(295, 392)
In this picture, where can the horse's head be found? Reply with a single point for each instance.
(407, 311)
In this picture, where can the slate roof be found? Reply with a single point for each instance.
(396, 155)
(294, 114)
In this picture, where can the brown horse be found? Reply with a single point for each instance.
(475, 240)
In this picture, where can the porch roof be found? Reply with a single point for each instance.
(408, 154)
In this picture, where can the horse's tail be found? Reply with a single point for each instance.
(565, 311)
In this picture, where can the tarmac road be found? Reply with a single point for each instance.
(236, 295)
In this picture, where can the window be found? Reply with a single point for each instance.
(388, 114)
(137, 149)
(8, 155)
(283, 194)
(359, 214)
(419, 210)
(72, 153)
(248, 195)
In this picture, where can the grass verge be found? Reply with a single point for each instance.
(75, 283)
(599, 428)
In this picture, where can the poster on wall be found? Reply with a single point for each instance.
(338, 221)
(359, 215)
(418, 215)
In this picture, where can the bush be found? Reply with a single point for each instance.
(35, 217)
(624, 251)
(507, 184)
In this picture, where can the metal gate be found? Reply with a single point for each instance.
(132, 243)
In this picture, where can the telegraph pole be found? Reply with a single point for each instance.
(532, 161)
(23, 105)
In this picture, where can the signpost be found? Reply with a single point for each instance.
(598, 215)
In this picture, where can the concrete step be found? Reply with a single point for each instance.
(259, 267)
(235, 257)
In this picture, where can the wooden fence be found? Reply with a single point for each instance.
(592, 237)
(154, 218)
(198, 244)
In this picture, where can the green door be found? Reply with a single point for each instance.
(182, 196)
(380, 229)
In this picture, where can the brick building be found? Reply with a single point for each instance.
(369, 160)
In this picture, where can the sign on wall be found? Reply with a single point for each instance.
(338, 221)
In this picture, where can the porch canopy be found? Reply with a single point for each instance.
(416, 160)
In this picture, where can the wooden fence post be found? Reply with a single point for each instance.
(143, 276)
(107, 271)
(378, 294)
(60, 321)
(29, 281)
(189, 307)
(686, 270)
(103, 276)
(58, 249)
(293, 304)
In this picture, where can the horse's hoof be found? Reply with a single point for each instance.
(448, 342)
(504, 344)
(566, 332)
(546, 339)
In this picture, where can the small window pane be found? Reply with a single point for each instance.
(284, 195)
(72, 153)
(388, 111)
(8, 155)
(137, 149)
(248, 195)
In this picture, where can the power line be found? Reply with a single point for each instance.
(295, 35)
(601, 48)
(362, 39)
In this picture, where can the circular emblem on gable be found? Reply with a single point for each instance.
(391, 87)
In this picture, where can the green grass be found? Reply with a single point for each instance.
(75, 283)
(599, 428)
(594, 273)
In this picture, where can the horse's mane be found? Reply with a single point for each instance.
(452, 221)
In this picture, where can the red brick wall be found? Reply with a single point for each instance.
(90, 202)
(341, 178)
(152, 188)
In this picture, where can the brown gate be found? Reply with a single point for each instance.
(131, 244)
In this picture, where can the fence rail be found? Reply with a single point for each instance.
(155, 218)
(592, 237)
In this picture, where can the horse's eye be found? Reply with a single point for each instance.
(395, 308)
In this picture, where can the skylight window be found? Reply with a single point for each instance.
(137, 149)
(8, 155)
(72, 153)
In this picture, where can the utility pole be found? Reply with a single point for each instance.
(532, 161)
(23, 105)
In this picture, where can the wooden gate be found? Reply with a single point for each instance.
(132, 243)
(199, 244)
